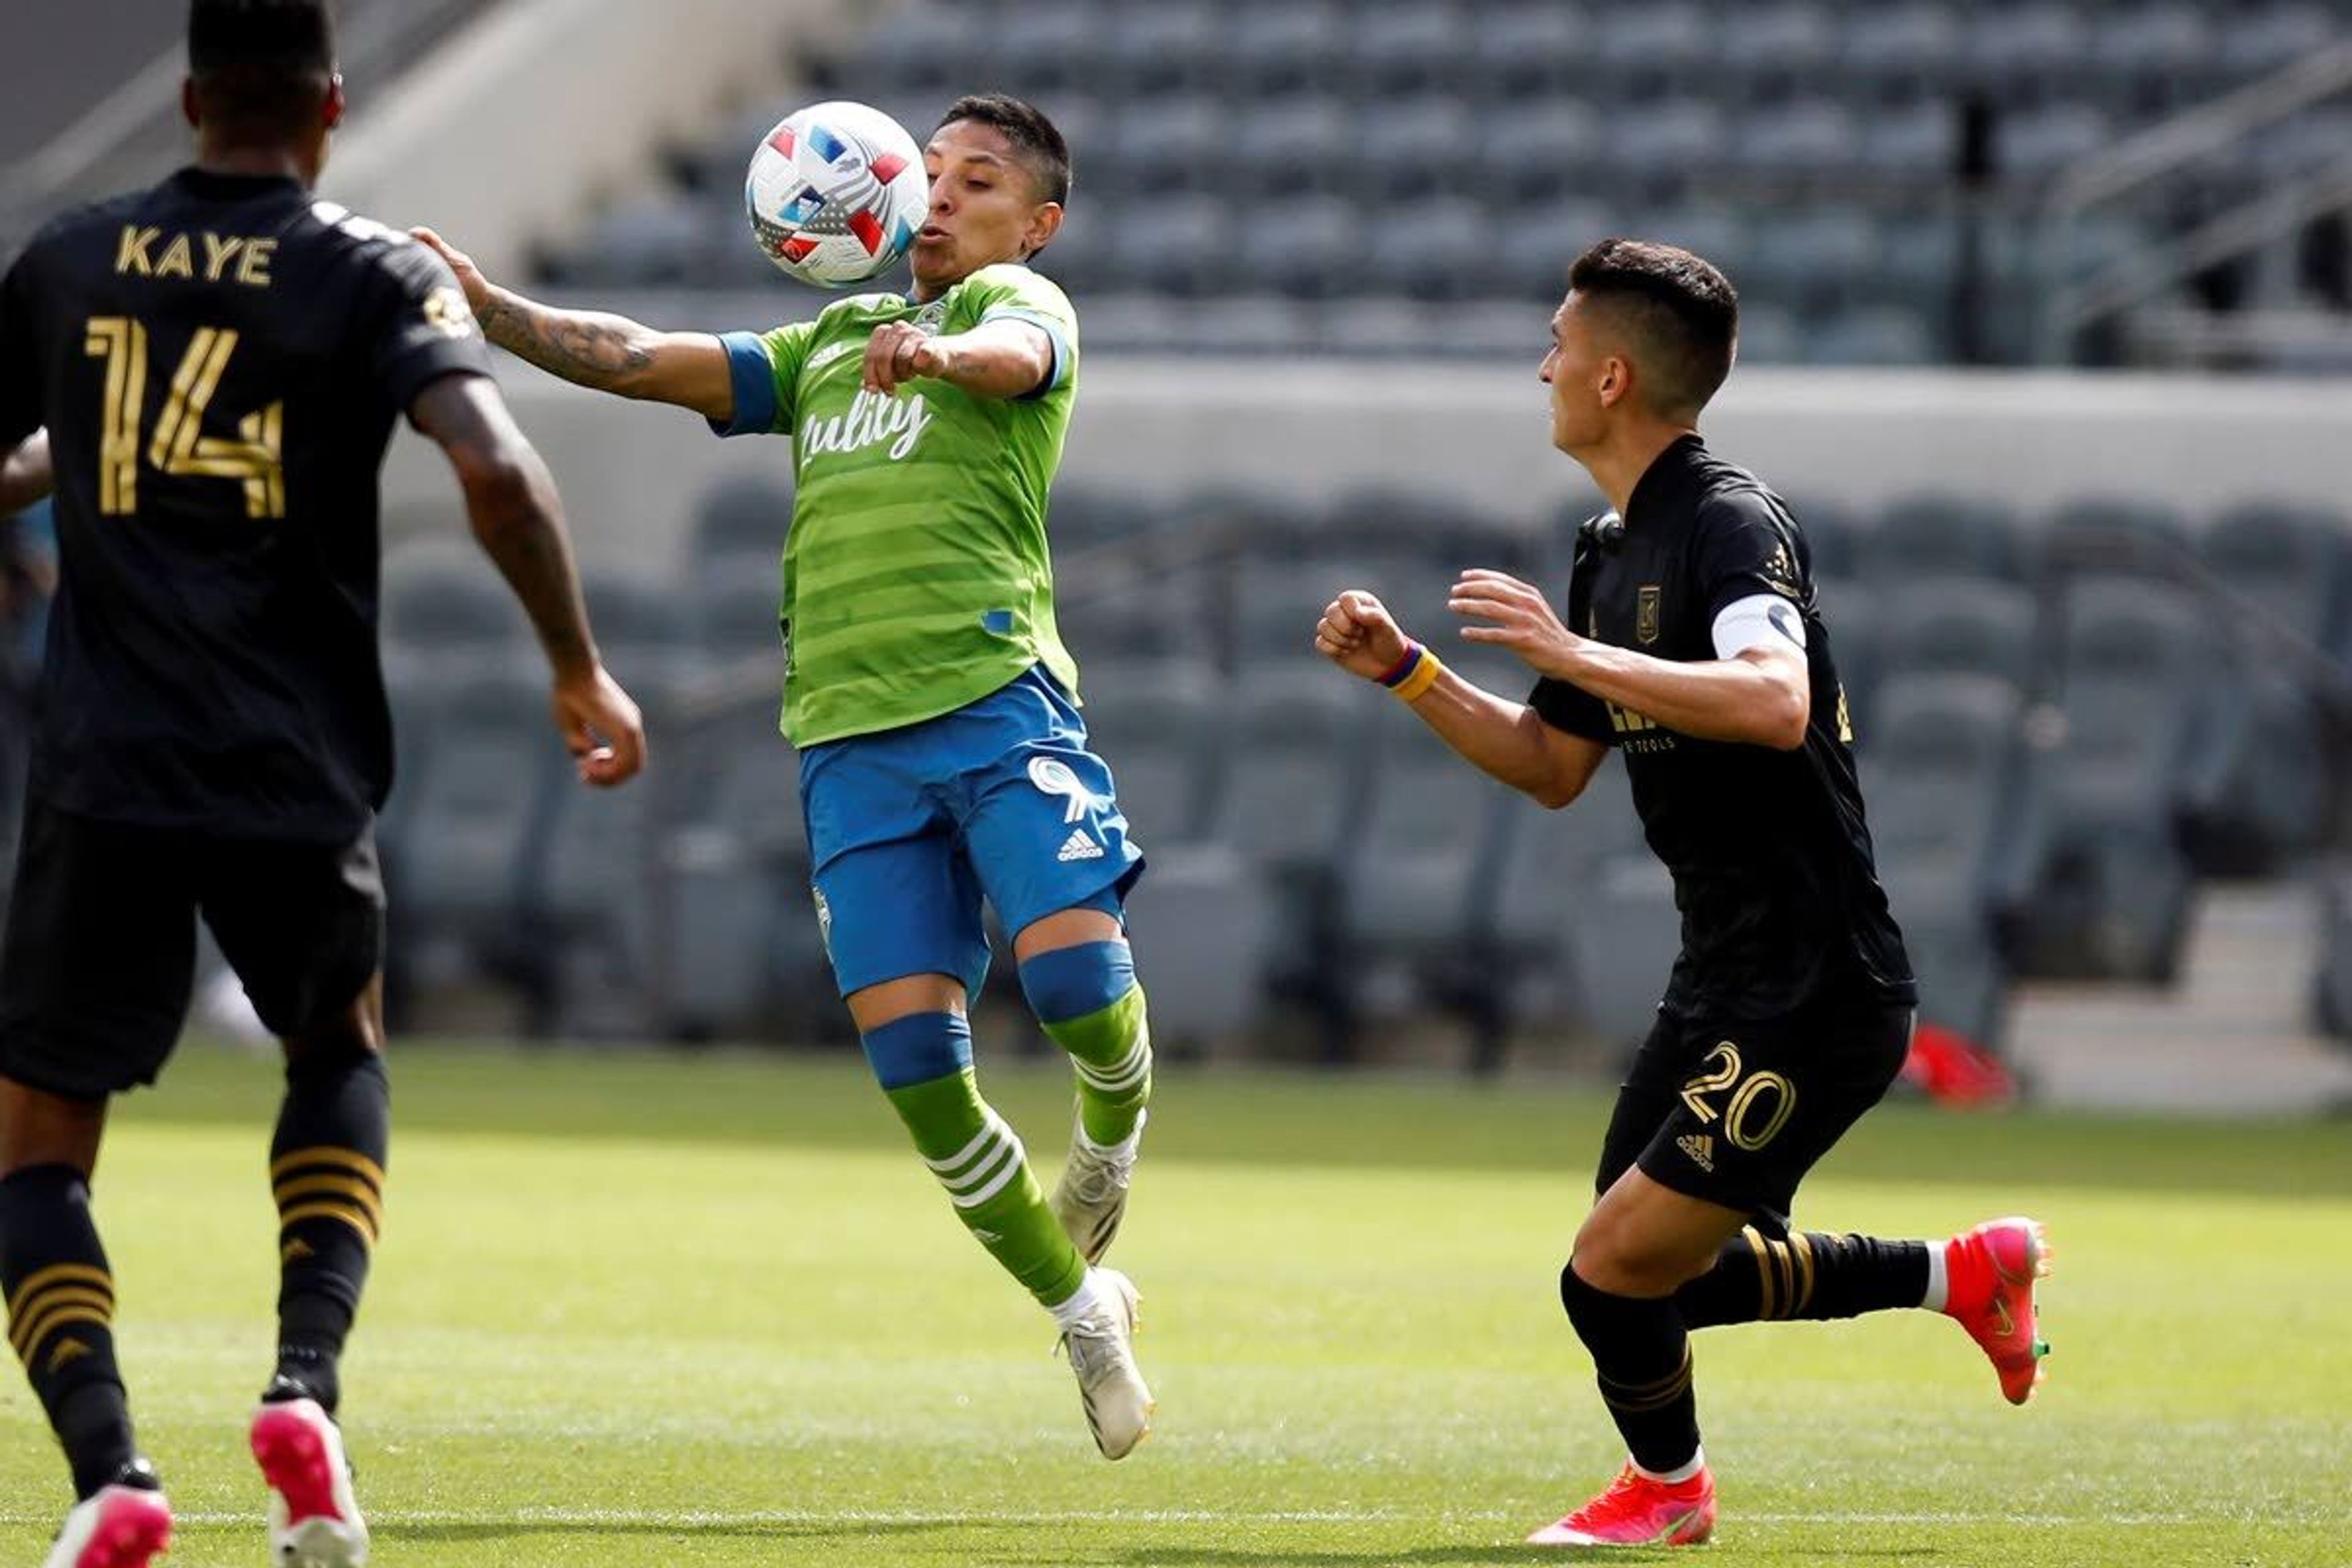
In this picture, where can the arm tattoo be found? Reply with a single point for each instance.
(583, 347)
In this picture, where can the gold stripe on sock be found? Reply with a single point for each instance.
(344, 1159)
(359, 1219)
(1785, 1266)
(1654, 1395)
(1766, 1299)
(56, 1274)
(350, 1188)
(1803, 1251)
(72, 1307)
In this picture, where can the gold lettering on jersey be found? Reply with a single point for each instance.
(179, 258)
(1845, 718)
(1646, 603)
(131, 256)
(253, 267)
(219, 251)
(1639, 732)
(226, 256)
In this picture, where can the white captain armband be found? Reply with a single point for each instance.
(1759, 620)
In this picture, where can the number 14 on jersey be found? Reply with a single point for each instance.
(180, 447)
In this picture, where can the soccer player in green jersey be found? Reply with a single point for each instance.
(942, 758)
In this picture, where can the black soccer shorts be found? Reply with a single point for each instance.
(1737, 1113)
(100, 957)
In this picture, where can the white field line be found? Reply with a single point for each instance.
(711, 1518)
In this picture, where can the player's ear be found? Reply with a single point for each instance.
(1044, 222)
(331, 111)
(1616, 380)
(188, 105)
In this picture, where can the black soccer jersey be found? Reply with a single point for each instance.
(1771, 855)
(219, 362)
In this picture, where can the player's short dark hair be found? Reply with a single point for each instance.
(1035, 139)
(1680, 309)
(261, 67)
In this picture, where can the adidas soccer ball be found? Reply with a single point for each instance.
(836, 193)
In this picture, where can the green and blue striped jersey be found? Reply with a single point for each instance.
(916, 573)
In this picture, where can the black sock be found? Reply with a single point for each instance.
(1757, 1277)
(1641, 1356)
(61, 1317)
(326, 1167)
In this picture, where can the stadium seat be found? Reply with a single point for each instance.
(1158, 722)
(1958, 830)
(2294, 561)
(1959, 626)
(1443, 249)
(1402, 48)
(1812, 261)
(2139, 695)
(1274, 51)
(2270, 37)
(1659, 149)
(1873, 335)
(1174, 47)
(1406, 151)
(1284, 147)
(1775, 50)
(1525, 54)
(2333, 985)
(1537, 151)
(1909, 146)
(1940, 534)
(1545, 865)
(1179, 245)
(454, 869)
(1305, 247)
(1203, 924)
(2036, 145)
(2098, 535)
(1899, 52)
(2149, 57)
(1401, 925)
(443, 611)
(1174, 144)
(2019, 51)
(1650, 50)
(1294, 795)
(1532, 256)
(1790, 143)
(923, 50)
(1043, 47)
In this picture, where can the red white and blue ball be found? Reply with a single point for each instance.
(836, 193)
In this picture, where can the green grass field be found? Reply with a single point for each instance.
(658, 1310)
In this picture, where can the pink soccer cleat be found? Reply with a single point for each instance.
(125, 1525)
(313, 1520)
(1639, 1511)
(1989, 1275)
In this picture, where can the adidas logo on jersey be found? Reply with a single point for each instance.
(1078, 846)
(1700, 1147)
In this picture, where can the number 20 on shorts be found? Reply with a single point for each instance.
(1746, 1124)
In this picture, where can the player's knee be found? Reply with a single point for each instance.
(917, 1048)
(1075, 981)
(1613, 1256)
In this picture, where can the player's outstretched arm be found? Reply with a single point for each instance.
(518, 518)
(1761, 697)
(1508, 740)
(995, 359)
(590, 348)
(26, 474)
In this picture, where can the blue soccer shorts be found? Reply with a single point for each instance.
(909, 829)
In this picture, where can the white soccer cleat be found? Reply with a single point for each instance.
(1091, 1197)
(1102, 1353)
(314, 1523)
(116, 1527)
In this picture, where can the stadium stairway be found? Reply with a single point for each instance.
(2233, 1035)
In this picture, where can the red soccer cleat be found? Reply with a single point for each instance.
(1989, 1275)
(122, 1526)
(1639, 1511)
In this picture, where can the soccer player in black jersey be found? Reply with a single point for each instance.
(1693, 646)
(217, 364)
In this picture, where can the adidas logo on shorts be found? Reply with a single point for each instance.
(1700, 1148)
(1078, 846)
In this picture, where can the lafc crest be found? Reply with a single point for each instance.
(1645, 613)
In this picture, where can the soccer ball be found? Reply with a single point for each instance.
(836, 193)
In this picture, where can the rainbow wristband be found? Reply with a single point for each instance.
(1413, 674)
